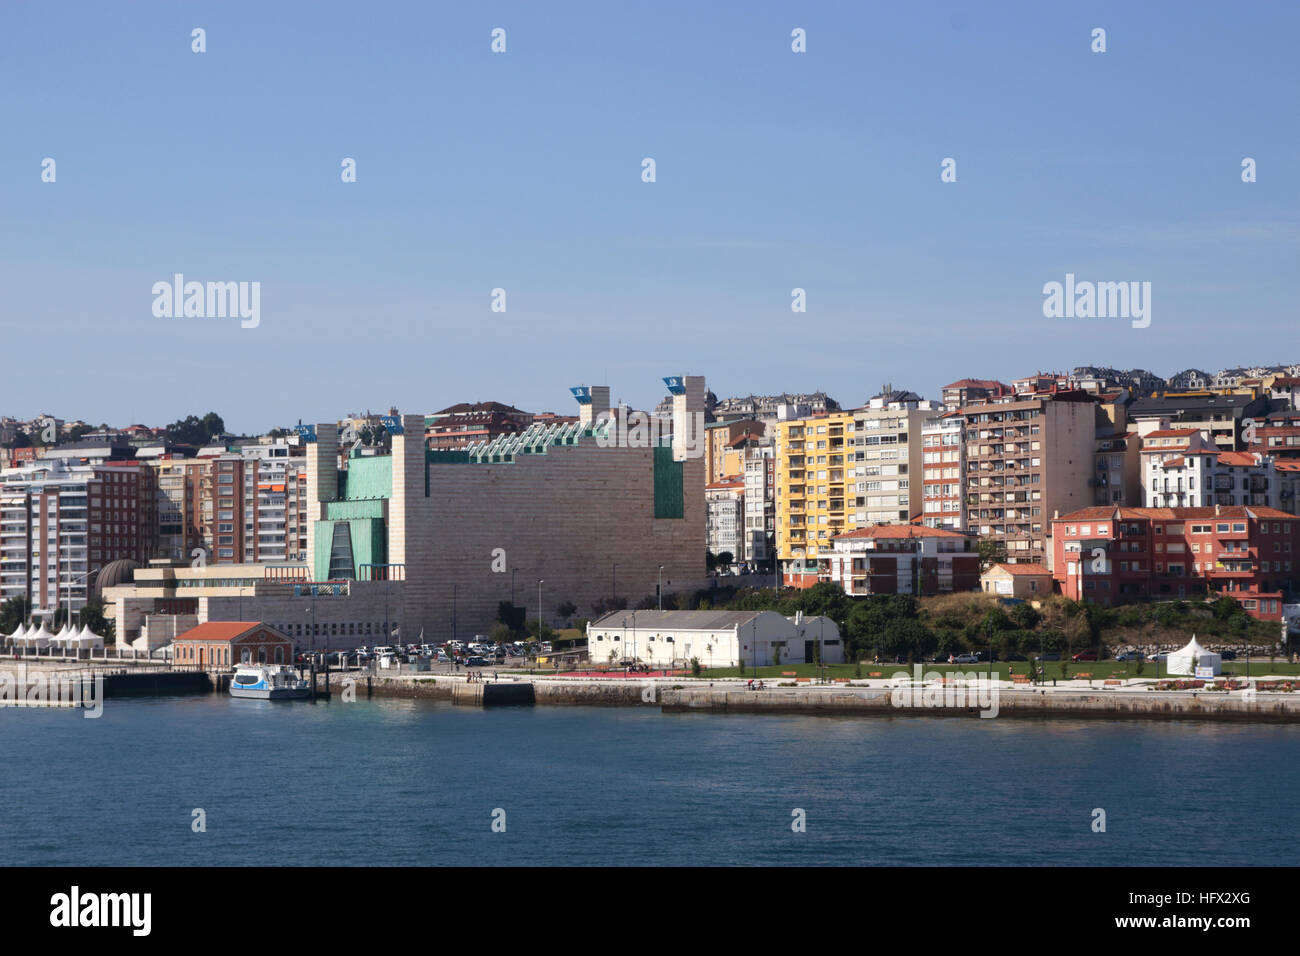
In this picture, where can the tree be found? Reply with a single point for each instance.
(511, 616)
(12, 613)
(500, 632)
(991, 552)
(192, 430)
(566, 610)
(1025, 616)
(725, 560)
(92, 616)
(710, 560)
(695, 667)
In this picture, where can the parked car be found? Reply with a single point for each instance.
(1228, 655)
(1016, 657)
(966, 659)
(477, 662)
(1158, 657)
(1050, 656)
(1089, 655)
(1128, 656)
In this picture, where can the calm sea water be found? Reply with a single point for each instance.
(406, 782)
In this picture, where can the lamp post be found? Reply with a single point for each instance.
(990, 650)
(661, 587)
(454, 588)
(513, 572)
(540, 582)
(614, 582)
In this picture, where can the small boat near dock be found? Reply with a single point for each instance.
(268, 682)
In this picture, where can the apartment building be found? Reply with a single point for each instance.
(1117, 469)
(724, 524)
(60, 523)
(1206, 477)
(180, 506)
(1025, 460)
(1221, 416)
(760, 503)
(943, 472)
(724, 447)
(1278, 437)
(1118, 555)
(971, 391)
(845, 471)
(904, 559)
(461, 425)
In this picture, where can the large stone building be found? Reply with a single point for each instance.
(562, 513)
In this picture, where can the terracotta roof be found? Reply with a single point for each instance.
(1036, 569)
(220, 631)
(899, 531)
(1172, 463)
(727, 483)
(1227, 511)
(1237, 458)
(1287, 465)
(1172, 433)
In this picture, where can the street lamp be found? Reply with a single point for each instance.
(661, 587)
(513, 572)
(540, 582)
(614, 582)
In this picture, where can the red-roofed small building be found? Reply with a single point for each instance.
(902, 559)
(1119, 555)
(220, 645)
(1024, 581)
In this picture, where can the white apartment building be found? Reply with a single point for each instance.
(886, 452)
(725, 517)
(60, 523)
(943, 466)
(760, 502)
(1207, 477)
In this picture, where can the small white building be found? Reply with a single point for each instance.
(717, 638)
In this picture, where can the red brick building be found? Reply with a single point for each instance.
(1119, 555)
(903, 559)
(221, 645)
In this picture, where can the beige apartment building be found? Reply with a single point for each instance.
(1026, 460)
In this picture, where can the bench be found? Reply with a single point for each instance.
(789, 673)
(802, 680)
(1019, 679)
(842, 680)
(1114, 681)
(1088, 676)
(875, 674)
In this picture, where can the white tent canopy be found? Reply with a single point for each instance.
(85, 638)
(1187, 659)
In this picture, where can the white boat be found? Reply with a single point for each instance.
(268, 682)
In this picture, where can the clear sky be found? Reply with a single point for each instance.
(522, 171)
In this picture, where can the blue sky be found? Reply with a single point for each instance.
(522, 171)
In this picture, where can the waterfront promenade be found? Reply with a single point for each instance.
(1262, 698)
